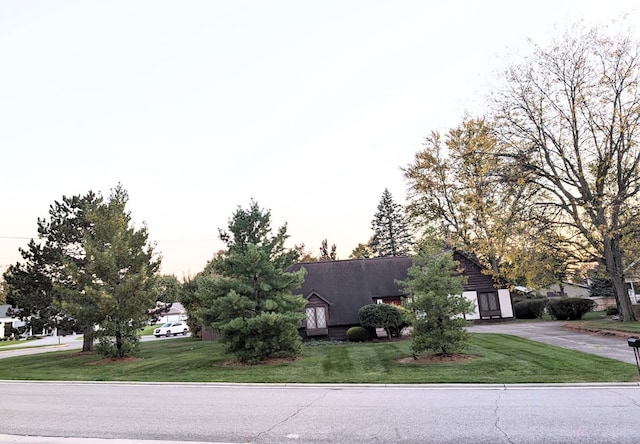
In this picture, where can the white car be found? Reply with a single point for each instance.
(171, 328)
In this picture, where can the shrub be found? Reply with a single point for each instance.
(384, 316)
(357, 334)
(529, 308)
(396, 330)
(611, 311)
(569, 308)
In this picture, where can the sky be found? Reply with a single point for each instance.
(309, 108)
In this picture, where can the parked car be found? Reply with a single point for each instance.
(171, 328)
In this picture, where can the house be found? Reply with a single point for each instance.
(7, 322)
(177, 312)
(567, 289)
(577, 290)
(336, 290)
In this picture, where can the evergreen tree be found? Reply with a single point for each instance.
(118, 277)
(391, 234)
(34, 284)
(434, 288)
(247, 297)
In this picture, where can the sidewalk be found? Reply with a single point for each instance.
(57, 440)
(45, 340)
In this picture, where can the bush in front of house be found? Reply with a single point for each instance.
(569, 308)
(385, 316)
(396, 330)
(530, 308)
(357, 334)
(611, 311)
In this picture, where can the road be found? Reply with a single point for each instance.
(57, 343)
(322, 414)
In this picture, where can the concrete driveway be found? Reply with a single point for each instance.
(555, 333)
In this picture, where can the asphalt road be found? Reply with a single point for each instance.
(321, 414)
(57, 343)
(70, 413)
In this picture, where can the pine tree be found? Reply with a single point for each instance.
(247, 297)
(434, 289)
(34, 285)
(391, 234)
(118, 277)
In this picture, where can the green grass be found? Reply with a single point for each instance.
(148, 330)
(595, 320)
(496, 359)
(598, 320)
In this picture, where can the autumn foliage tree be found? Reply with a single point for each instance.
(325, 253)
(460, 187)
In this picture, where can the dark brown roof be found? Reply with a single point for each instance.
(350, 284)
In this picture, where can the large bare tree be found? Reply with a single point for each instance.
(569, 119)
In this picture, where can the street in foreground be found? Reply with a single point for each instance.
(316, 414)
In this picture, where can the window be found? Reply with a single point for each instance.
(489, 304)
(316, 317)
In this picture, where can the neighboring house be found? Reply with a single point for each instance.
(577, 290)
(176, 312)
(336, 290)
(6, 321)
(567, 289)
(632, 281)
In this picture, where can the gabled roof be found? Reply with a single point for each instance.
(477, 279)
(349, 284)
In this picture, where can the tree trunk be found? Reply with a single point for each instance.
(119, 350)
(613, 262)
(87, 339)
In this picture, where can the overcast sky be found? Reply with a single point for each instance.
(196, 107)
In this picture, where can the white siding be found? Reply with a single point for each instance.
(473, 297)
(506, 310)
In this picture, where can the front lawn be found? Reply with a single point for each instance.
(149, 329)
(598, 320)
(496, 358)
